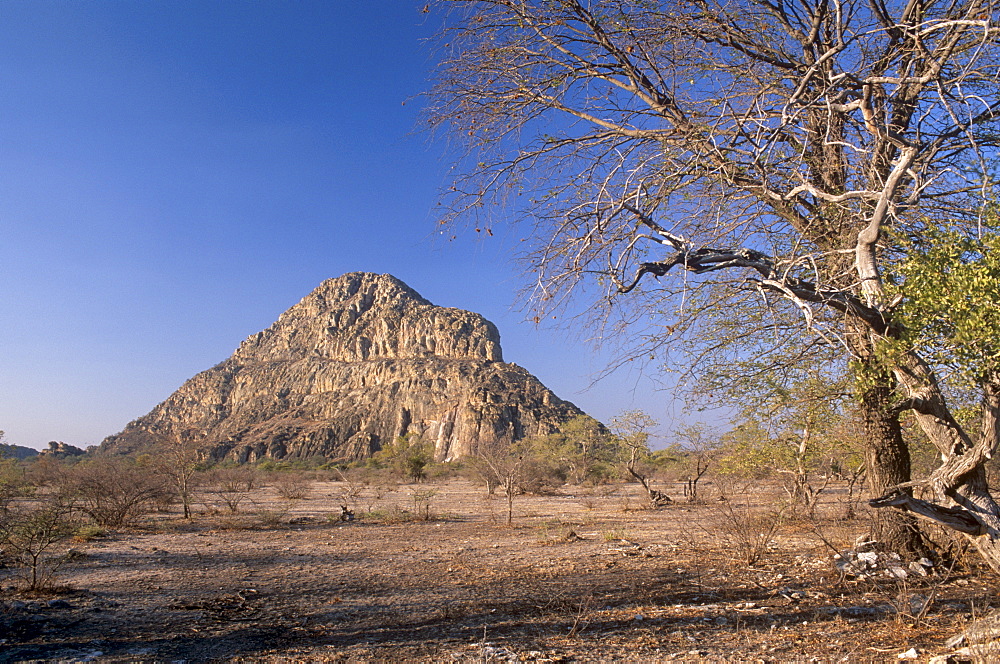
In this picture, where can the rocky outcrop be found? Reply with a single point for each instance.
(358, 362)
(62, 450)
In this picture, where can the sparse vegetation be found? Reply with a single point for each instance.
(28, 534)
(745, 552)
(291, 485)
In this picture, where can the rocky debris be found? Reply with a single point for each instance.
(862, 562)
(360, 361)
(625, 547)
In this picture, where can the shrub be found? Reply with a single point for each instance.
(292, 485)
(422, 503)
(747, 530)
(271, 518)
(12, 482)
(113, 492)
(231, 486)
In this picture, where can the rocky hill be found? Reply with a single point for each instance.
(358, 362)
(10, 451)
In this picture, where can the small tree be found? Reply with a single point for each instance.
(701, 449)
(632, 428)
(233, 485)
(505, 467)
(178, 460)
(12, 482)
(29, 531)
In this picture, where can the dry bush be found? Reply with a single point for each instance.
(291, 485)
(271, 517)
(230, 487)
(113, 492)
(748, 530)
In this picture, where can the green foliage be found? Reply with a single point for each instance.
(949, 282)
(408, 455)
(582, 451)
(308, 463)
(749, 451)
(12, 482)
(632, 429)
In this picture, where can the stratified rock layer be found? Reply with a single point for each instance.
(358, 362)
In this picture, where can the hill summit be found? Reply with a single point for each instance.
(358, 362)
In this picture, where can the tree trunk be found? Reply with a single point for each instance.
(888, 461)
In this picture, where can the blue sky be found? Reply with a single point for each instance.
(174, 175)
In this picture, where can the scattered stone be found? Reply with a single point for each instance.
(59, 604)
(498, 654)
(912, 653)
(862, 562)
(896, 572)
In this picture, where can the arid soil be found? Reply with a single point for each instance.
(584, 576)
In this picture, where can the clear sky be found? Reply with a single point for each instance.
(174, 175)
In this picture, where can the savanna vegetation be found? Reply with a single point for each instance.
(586, 544)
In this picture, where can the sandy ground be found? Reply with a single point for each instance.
(583, 576)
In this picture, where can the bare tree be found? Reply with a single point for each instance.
(178, 459)
(701, 447)
(29, 530)
(504, 465)
(232, 486)
(114, 492)
(632, 427)
(747, 162)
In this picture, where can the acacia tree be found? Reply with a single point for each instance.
(681, 161)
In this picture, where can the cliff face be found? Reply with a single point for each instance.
(361, 360)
